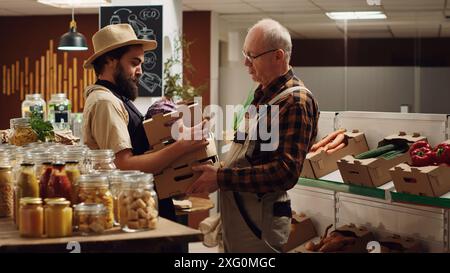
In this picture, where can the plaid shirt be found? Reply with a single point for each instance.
(280, 169)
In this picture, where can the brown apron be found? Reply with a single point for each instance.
(249, 223)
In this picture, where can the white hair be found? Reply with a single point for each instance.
(275, 36)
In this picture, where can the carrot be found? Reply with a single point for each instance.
(340, 146)
(326, 139)
(336, 141)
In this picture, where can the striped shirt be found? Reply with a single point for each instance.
(280, 169)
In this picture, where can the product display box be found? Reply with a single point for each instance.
(433, 181)
(374, 172)
(321, 163)
(359, 236)
(175, 179)
(397, 244)
(302, 230)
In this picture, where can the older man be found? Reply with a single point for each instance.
(255, 207)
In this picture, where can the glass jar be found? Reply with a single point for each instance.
(59, 184)
(34, 103)
(73, 173)
(116, 178)
(58, 218)
(59, 109)
(22, 133)
(76, 154)
(90, 218)
(31, 215)
(6, 186)
(138, 203)
(94, 189)
(27, 186)
(101, 160)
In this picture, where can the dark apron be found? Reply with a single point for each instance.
(139, 142)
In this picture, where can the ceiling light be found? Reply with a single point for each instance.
(356, 15)
(72, 40)
(75, 3)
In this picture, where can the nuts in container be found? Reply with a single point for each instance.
(90, 218)
(138, 203)
(94, 189)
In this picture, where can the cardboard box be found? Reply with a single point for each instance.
(374, 172)
(302, 230)
(320, 164)
(397, 244)
(361, 234)
(159, 130)
(433, 181)
(175, 179)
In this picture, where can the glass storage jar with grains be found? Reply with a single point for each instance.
(59, 109)
(34, 103)
(94, 189)
(101, 160)
(6, 186)
(31, 216)
(22, 133)
(138, 203)
(58, 218)
(90, 218)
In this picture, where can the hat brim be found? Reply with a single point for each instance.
(147, 44)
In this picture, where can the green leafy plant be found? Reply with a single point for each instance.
(175, 86)
(43, 129)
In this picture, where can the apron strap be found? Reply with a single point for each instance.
(287, 92)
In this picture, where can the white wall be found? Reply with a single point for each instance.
(380, 89)
(172, 27)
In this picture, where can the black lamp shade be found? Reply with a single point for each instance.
(72, 41)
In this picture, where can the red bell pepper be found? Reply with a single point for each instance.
(422, 157)
(419, 144)
(441, 153)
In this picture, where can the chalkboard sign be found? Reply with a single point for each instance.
(147, 24)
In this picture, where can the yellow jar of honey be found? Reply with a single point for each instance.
(31, 215)
(58, 218)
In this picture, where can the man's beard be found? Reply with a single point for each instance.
(127, 86)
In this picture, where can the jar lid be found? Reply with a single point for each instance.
(119, 175)
(93, 179)
(39, 155)
(30, 201)
(19, 122)
(58, 202)
(100, 154)
(91, 208)
(143, 179)
(59, 96)
(27, 164)
(47, 200)
(59, 164)
(33, 96)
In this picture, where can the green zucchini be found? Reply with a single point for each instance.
(376, 152)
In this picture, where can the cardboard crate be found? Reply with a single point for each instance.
(320, 164)
(175, 179)
(374, 172)
(397, 244)
(302, 230)
(158, 129)
(361, 235)
(433, 181)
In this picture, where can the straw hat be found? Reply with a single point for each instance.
(115, 36)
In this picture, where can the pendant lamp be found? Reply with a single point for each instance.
(72, 40)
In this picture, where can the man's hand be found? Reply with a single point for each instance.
(207, 182)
